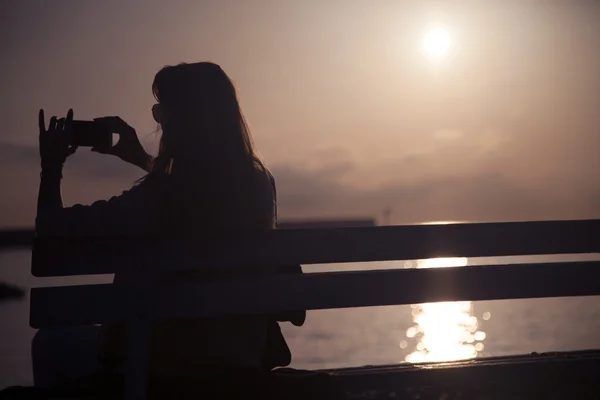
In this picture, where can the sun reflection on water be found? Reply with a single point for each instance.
(445, 331)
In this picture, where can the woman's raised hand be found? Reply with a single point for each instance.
(128, 148)
(55, 142)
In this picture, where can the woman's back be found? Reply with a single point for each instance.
(195, 346)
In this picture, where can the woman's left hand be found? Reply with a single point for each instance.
(55, 142)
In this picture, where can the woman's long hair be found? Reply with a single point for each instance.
(206, 148)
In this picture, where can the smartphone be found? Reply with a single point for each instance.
(91, 134)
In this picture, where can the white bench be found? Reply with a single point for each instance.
(137, 305)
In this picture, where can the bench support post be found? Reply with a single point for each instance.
(137, 357)
(138, 332)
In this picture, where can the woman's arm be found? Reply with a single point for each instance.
(49, 196)
(144, 161)
(132, 212)
(128, 148)
(54, 150)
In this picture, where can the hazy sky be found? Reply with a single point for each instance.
(346, 108)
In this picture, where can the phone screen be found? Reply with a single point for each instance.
(91, 134)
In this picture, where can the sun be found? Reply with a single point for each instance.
(436, 42)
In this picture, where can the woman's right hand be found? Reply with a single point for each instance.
(128, 148)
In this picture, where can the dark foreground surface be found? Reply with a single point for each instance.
(573, 375)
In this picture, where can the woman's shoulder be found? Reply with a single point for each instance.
(264, 181)
(263, 174)
(267, 195)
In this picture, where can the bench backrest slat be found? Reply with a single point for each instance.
(80, 305)
(88, 255)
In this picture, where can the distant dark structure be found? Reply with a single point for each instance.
(326, 223)
(10, 292)
(387, 214)
(16, 238)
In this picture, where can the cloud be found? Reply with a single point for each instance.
(448, 134)
(480, 197)
(486, 175)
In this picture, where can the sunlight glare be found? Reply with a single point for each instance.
(436, 42)
(446, 331)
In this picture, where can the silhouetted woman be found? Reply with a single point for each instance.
(206, 177)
